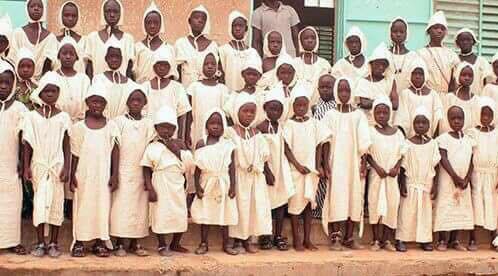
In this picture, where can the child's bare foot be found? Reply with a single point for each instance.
(138, 250)
(457, 246)
(298, 246)
(53, 250)
(401, 246)
(352, 244)
(441, 246)
(230, 251)
(18, 250)
(120, 251)
(310, 246)
(427, 247)
(249, 247)
(202, 249)
(164, 251)
(389, 246)
(39, 250)
(178, 248)
(375, 246)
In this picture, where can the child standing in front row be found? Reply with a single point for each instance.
(384, 156)
(214, 178)
(11, 192)
(136, 133)
(345, 167)
(484, 176)
(453, 206)
(94, 174)
(165, 162)
(47, 156)
(418, 184)
(253, 175)
(306, 160)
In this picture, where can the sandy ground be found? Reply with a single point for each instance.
(322, 262)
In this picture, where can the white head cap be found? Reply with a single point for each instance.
(355, 31)
(207, 27)
(231, 17)
(266, 45)
(24, 53)
(67, 40)
(285, 59)
(418, 62)
(254, 62)
(97, 89)
(382, 53)
(210, 113)
(466, 30)
(4, 67)
(113, 42)
(49, 78)
(459, 70)
(382, 100)
(240, 100)
(165, 115)
(336, 90)
(102, 13)
(437, 18)
(401, 19)
(6, 27)
(43, 18)
(61, 10)
(487, 102)
(201, 61)
(164, 54)
(315, 50)
(153, 8)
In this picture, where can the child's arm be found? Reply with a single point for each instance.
(89, 69)
(293, 160)
(66, 148)
(20, 156)
(435, 184)
(129, 70)
(295, 39)
(114, 181)
(402, 183)
(148, 184)
(445, 163)
(393, 172)
(74, 165)
(188, 126)
(366, 103)
(318, 161)
(326, 160)
(394, 96)
(363, 166)
(27, 156)
(233, 179)
(182, 127)
(47, 66)
(198, 189)
(270, 178)
(176, 146)
(179, 70)
(257, 40)
(468, 176)
(378, 169)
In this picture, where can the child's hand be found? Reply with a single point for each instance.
(381, 172)
(231, 192)
(394, 171)
(363, 170)
(434, 192)
(20, 167)
(64, 175)
(27, 174)
(328, 171)
(73, 185)
(152, 195)
(321, 173)
(200, 192)
(269, 177)
(188, 142)
(302, 169)
(458, 181)
(402, 191)
(113, 183)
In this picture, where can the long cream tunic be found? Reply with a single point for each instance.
(95, 50)
(259, 96)
(92, 197)
(415, 210)
(173, 95)
(131, 195)
(46, 49)
(118, 94)
(485, 178)
(11, 186)
(169, 213)
(311, 73)
(46, 136)
(471, 109)
(402, 64)
(343, 68)
(409, 102)
(253, 200)
(345, 192)
(72, 96)
(216, 207)
(383, 193)
(232, 61)
(453, 206)
(372, 90)
(441, 62)
(190, 59)
(303, 138)
(143, 66)
(491, 90)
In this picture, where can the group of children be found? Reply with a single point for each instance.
(163, 132)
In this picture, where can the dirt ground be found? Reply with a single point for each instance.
(322, 262)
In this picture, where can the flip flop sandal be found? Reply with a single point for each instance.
(39, 250)
(202, 249)
(120, 251)
(78, 251)
(53, 250)
(18, 250)
(265, 242)
(230, 251)
(139, 251)
(281, 243)
(164, 251)
(101, 251)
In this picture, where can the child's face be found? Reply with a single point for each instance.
(418, 77)
(274, 110)
(421, 125)
(437, 33)
(466, 76)
(308, 40)
(247, 114)
(378, 67)
(197, 22)
(344, 92)
(70, 15)
(152, 23)
(4, 43)
(165, 130)
(35, 9)
(251, 76)
(136, 102)
(456, 118)
(300, 106)
(465, 42)
(162, 68)
(495, 67)
(382, 114)
(68, 56)
(486, 116)
(6, 84)
(285, 73)
(354, 45)
(49, 94)
(26, 68)
(239, 28)
(398, 32)
(275, 43)
(112, 12)
(96, 105)
(113, 58)
(214, 125)
(210, 66)
(325, 88)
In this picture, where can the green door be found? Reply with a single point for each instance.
(15, 9)
(373, 17)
